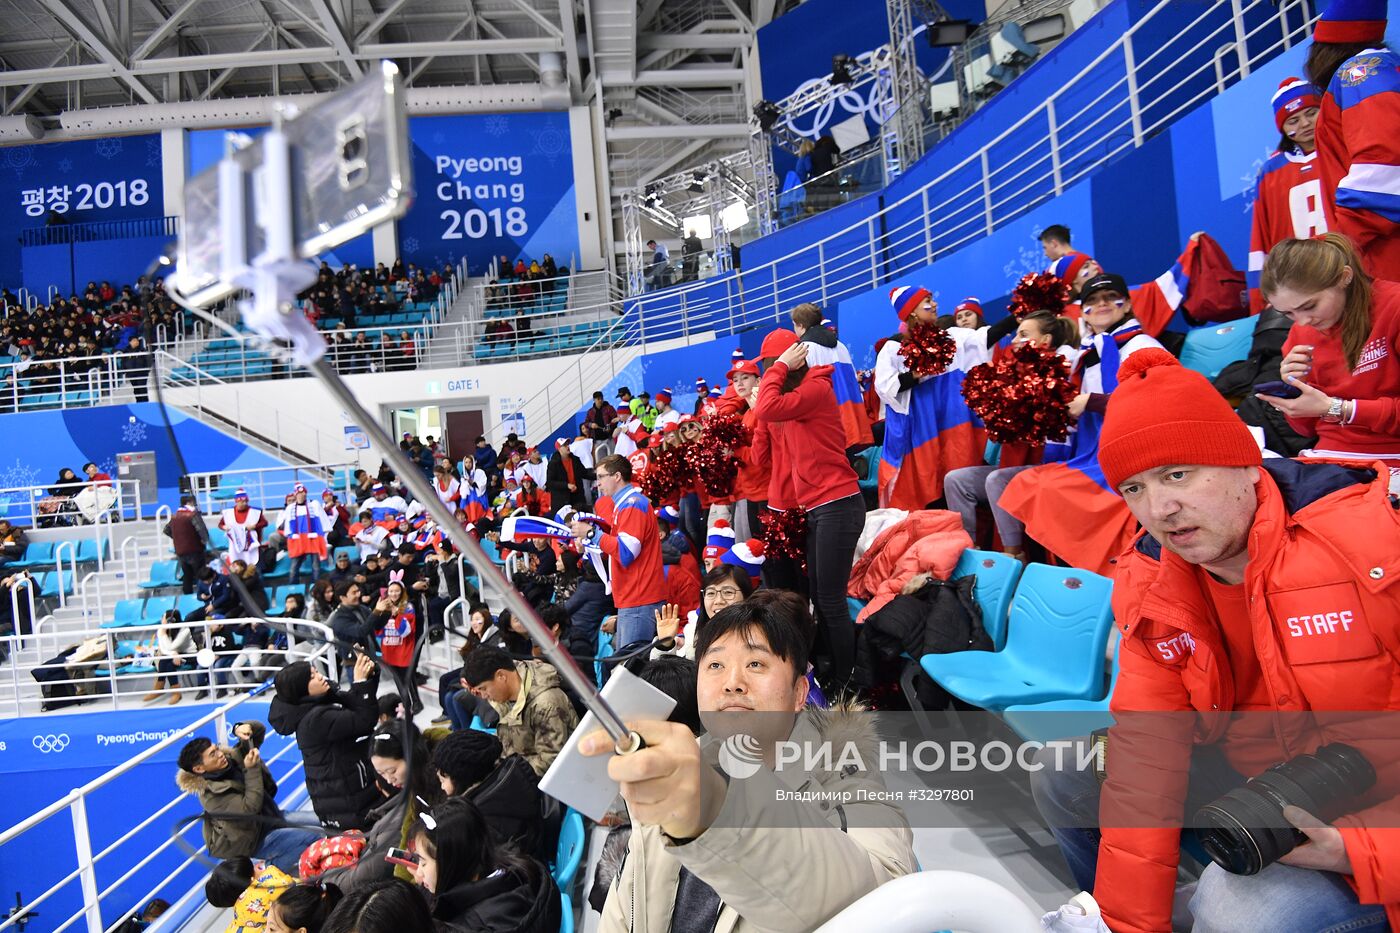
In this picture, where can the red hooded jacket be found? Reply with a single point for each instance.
(809, 439)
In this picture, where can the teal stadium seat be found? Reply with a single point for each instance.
(1059, 622)
(163, 573)
(1210, 349)
(572, 842)
(996, 582)
(1059, 719)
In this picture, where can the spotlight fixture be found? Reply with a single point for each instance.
(767, 113)
(948, 32)
(841, 69)
(697, 183)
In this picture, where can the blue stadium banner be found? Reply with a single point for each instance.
(84, 740)
(87, 180)
(490, 185)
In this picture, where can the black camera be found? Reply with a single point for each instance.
(1244, 831)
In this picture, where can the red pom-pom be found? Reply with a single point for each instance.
(1024, 397)
(785, 534)
(1143, 360)
(667, 476)
(1039, 291)
(712, 456)
(928, 350)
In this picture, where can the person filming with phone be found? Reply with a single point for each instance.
(1339, 359)
(1259, 599)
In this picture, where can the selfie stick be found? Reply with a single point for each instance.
(274, 277)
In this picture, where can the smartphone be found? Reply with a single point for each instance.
(402, 857)
(351, 170)
(1278, 390)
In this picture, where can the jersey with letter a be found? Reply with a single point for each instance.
(1288, 204)
(1358, 157)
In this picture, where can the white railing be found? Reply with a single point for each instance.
(312, 444)
(123, 500)
(75, 804)
(109, 673)
(269, 487)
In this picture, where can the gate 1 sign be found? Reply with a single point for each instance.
(490, 185)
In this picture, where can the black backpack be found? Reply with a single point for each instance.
(1265, 357)
(940, 618)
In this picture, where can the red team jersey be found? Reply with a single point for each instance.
(1288, 204)
(1358, 156)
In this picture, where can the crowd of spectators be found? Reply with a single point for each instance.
(514, 294)
(1245, 579)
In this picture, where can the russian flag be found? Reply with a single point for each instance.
(938, 435)
(475, 505)
(1155, 304)
(850, 399)
(1068, 506)
(518, 528)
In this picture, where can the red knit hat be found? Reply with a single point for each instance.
(1163, 413)
(1348, 21)
(906, 298)
(776, 343)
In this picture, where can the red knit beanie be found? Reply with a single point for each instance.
(1163, 413)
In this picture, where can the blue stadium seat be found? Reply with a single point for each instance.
(1210, 349)
(1059, 719)
(996, 581)
(871, 456)
(89, 550)
(218, 538)
(187, 603)
(1059, 624)
(566, 913)
(53, 580)
(125, 614)
(480, 726)
(157, 606)
(36, 554)
(163, 573)
(280, 570)
(571, 845)
(605, 650)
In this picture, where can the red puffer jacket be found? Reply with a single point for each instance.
(929, 540)
(1325, 542)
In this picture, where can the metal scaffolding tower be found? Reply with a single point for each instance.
(719, 192)
(905, 122)
(764, 182)
(632, 241)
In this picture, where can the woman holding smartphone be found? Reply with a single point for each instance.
(395, 621)
(475, 883)
(1340, 354)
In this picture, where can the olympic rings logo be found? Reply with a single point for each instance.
(51, 743)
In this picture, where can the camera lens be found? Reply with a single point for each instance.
(1245, 831)
(353, 148)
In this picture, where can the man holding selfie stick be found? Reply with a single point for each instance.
(710, 850)
(1261, 596)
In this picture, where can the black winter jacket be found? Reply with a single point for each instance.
(940, 618)
(509, 800)
(333, 733)
(516, 900)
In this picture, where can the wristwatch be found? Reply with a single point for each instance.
(1334, 411)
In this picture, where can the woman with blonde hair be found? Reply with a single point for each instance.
(1340, 354)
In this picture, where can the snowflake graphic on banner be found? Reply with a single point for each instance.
(1251, 182)
(411, 244)
(153, 153)
(550, 143)
(1028, 260)
(108, 466)
(19, 475)
(134, 432)
(65, 165)
(497, 125)
(18, 158)
(109, 148)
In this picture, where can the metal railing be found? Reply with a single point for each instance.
(34, 506)
(75, 804)
(71, 382)
(61, 233)
(269, 487)
(131, 656)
